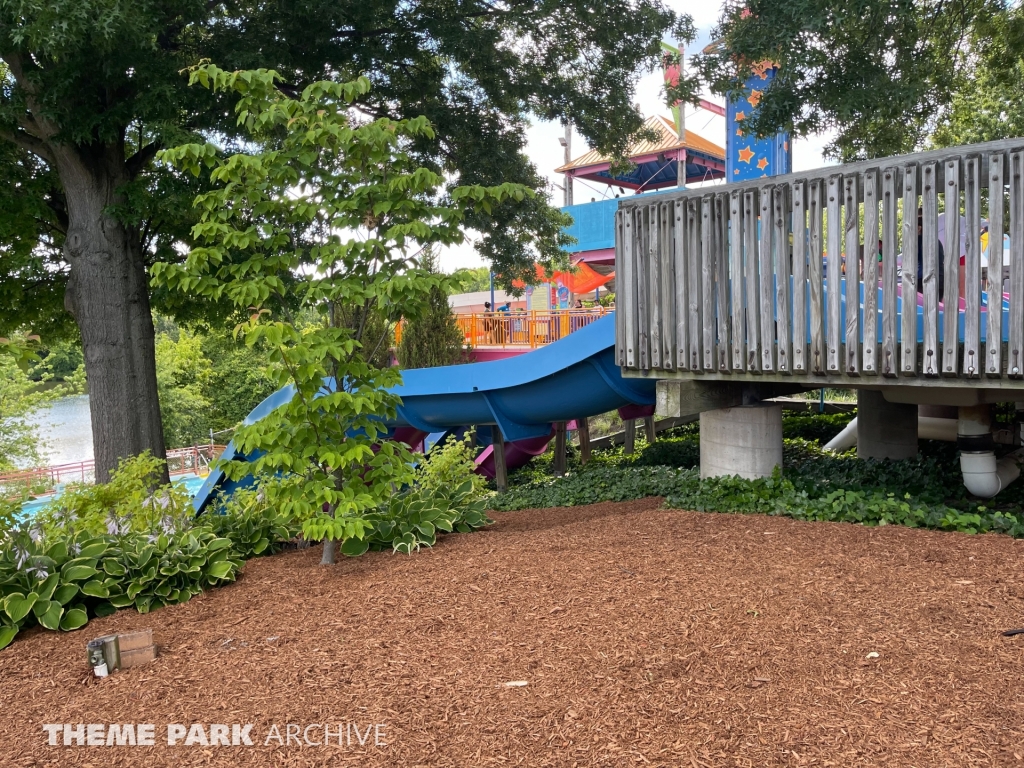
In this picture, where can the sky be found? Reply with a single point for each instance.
(547, 154)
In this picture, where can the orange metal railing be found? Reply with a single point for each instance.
(525, 328)
(180, 461)
(520, 328)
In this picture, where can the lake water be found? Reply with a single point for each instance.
(66, 429)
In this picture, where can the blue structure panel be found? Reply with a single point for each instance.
(593, 225)
(748, 157)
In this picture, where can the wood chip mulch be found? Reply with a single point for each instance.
(632, 635)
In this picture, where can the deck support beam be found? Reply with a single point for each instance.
(559, 464)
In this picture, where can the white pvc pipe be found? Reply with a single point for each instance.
(928, 428)
(845, 439)
(984, 476)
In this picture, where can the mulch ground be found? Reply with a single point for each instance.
(643, 637)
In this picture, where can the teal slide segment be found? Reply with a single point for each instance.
(572, 378)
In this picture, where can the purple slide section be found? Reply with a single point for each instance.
(636, 411)
(516, 454)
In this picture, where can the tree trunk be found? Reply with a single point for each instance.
(330, 548)
(108, 295)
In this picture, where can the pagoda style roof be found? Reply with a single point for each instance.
(655, 161)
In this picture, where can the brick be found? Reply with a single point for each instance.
(137, 656)
(134, 640)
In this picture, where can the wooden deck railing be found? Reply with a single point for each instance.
(735, 281)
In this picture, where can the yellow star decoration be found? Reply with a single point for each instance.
(746, 154)
(761, 69)
(754, 98)
(740, 116)
(785, 146)
(739, 131)
(762, 163)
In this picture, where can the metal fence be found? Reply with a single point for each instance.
(180, 461)
(735, 281)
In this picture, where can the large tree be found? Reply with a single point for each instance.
(886, 76)
(93, 88)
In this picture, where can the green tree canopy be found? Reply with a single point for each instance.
(435, 338)
(94, 88)
(888, 77)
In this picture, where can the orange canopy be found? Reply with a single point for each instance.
(582, 279)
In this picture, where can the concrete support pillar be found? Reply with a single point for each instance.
(885, 430)
(744, 441)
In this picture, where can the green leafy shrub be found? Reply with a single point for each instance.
(926, 491)
(254, 528)
(777, 495)
(129, 498)
(449, 466)
(415, 517)
(102, 548)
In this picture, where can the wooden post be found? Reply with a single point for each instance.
(649, 429)
(559, 448)
(500, 468)
(583, 426)
(630, 436)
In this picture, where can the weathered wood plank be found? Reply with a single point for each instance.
(889, 249)
(972, 267)
(870, 271)
(709, 237)
(765, 297)
(930, 267)
(736, 315)
(622, 271)
(696, 233)
(750, 273)
(583, 430)
(679, 264)
(994, 285)
(628, 290)
(642, 291)
(798, 194)
(834, 273)
(559, 463)
(668, 287)
(722, 281)
(951, 269)
(851, 214)
(654, 282)
(1015, 349)
(815, 210)
(668, 304)
(908, 318)
(500, 466)
(783, 269)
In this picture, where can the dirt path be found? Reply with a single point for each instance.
(644, 637)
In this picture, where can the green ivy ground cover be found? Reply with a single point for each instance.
(814, 485)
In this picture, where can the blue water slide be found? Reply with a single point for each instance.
(572, 378)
